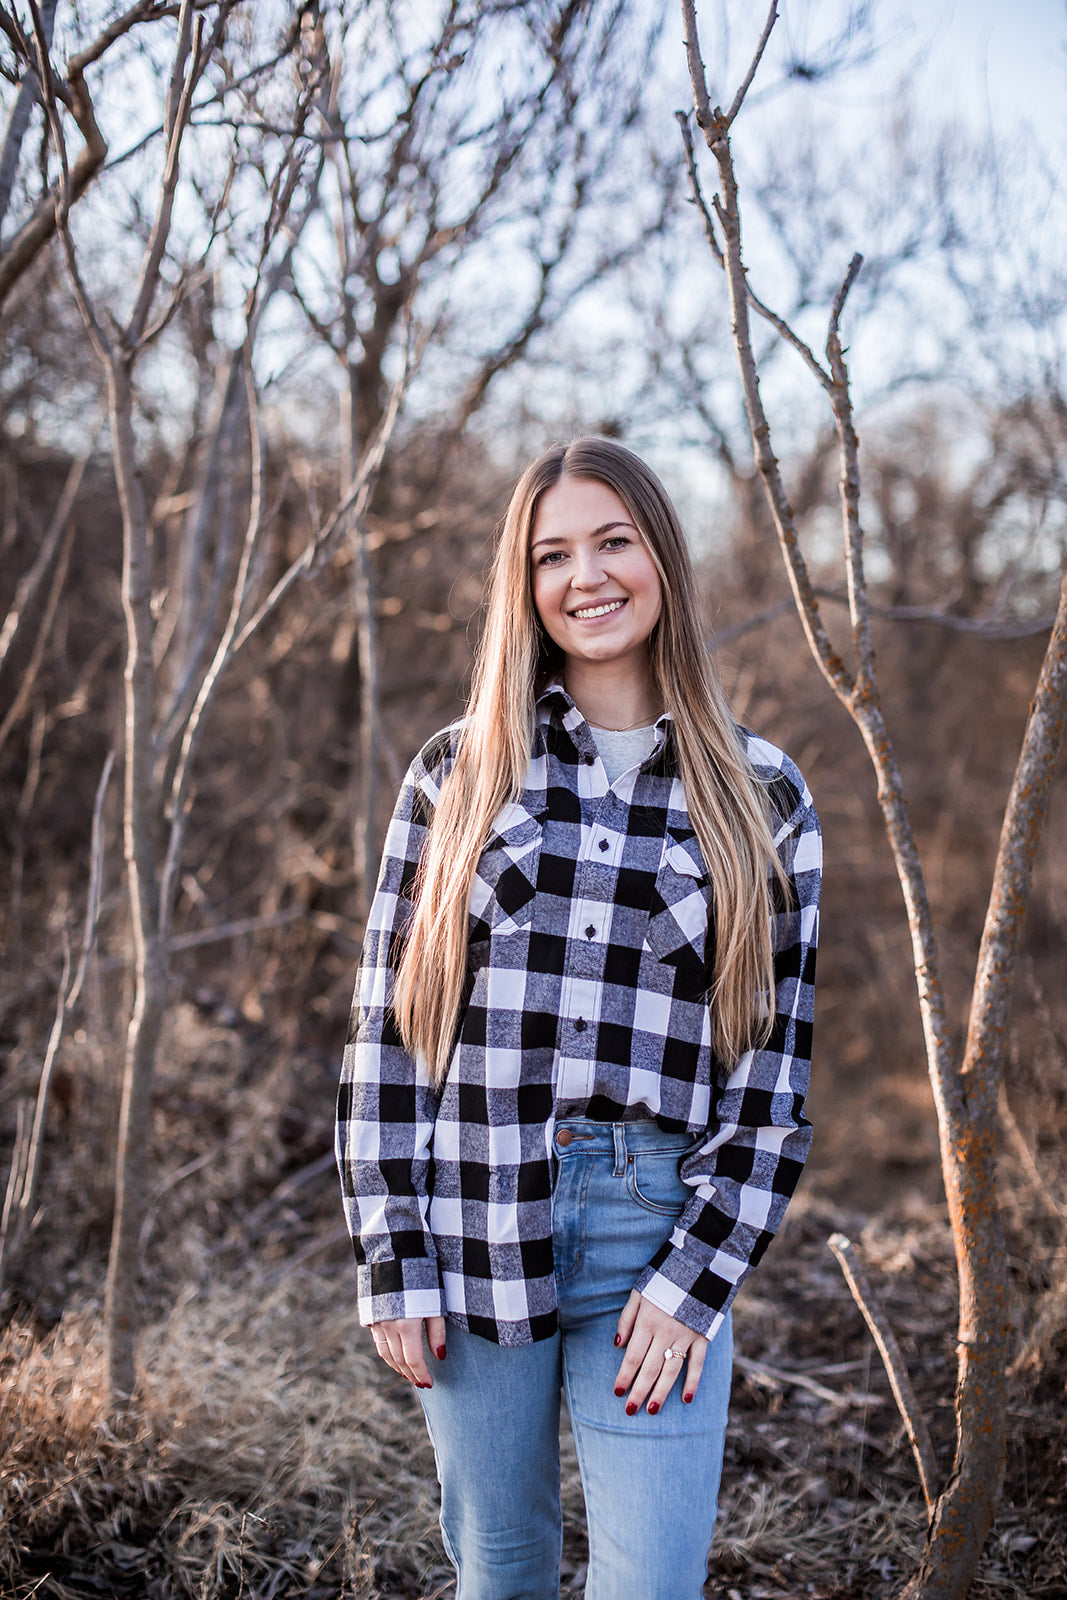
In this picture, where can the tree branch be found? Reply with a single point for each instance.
(706, 117)
(682, 118)
(889, 1350)
(179, 101)
(738, 100)
(51, 213)
(30, 581)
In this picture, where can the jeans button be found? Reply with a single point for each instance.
(564, 1137)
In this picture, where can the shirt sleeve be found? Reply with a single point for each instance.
(744, 1173)
(386, 1104)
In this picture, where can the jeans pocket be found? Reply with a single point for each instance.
(654, 1181)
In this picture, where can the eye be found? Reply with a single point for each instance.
(551, 558)
(617, 541)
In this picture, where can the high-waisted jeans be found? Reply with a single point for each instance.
(651, 1482)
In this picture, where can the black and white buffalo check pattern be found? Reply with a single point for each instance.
(589, 925)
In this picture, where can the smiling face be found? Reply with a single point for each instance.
(595, 586)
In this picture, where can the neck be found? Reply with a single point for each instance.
(612, 696)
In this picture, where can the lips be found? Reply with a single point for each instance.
(588, 613)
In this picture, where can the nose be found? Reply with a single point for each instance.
(588, 572)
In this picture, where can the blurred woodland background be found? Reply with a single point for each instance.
(288, 293)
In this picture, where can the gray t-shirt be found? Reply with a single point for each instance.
(621, 751)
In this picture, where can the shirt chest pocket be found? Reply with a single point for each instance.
(505, 879)
(680, 913)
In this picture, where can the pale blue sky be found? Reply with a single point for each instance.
(1007, 54)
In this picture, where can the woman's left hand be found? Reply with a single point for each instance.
(658, 1350)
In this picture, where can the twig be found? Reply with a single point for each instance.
(178, 103)
(840, 396)
(352, 505)
(697, 76)
(96, 873)
(16, 1174)
(737, 630)
(287, 1189)
(682, 119)
(1056, 1208)
(738, 100)
(832, 335)
(893, 1361)
(1051, 1320)
(980, 626)
(235, 929)
(984, 627)
(31, 581)
(26, 1164)
(800, 1380)
(28, 679)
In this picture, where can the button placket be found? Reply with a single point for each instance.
(583, 975)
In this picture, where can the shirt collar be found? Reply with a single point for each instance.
(555, 699)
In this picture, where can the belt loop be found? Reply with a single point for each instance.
(619, 1132)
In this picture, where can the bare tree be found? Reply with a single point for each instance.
(161, 728)
(965, 1090)
(66, 92)
(413, 155)
(438, 152)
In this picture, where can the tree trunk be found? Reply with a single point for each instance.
(966, 1094)
(365, 605)
(967, 1506)
(19, 120)
(140, 820)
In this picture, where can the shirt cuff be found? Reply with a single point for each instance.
(701, 1306)
(407, 1287)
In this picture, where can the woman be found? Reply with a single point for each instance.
(571, 1110)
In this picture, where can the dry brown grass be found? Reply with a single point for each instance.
(268, 1453)
(263, 1455)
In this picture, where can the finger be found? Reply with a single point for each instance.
(435, 1336)
(395, 1342)
(627, 1318)
(413, 1352)
(383, 1348)
(637, 1349)
(672, 1366)
(648, 1375)
(694, 1367)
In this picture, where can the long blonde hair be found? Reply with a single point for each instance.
(727, 805)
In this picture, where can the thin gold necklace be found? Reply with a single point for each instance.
(642, 722)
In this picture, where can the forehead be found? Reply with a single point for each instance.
(576, 508)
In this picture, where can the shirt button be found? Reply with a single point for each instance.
(602, 845)
(581, 1025)
(590, 932)
(564, 1137)
(589, 760)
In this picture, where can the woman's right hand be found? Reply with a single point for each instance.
(400, 1345)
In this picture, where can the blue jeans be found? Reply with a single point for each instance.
(651, 1483)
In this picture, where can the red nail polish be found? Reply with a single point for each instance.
(653, 1407)
(631, 1409)
(687, 1399)
(440, 1352)
(620, 1393)
(618, 1340)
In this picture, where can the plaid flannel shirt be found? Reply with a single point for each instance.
(588, 937)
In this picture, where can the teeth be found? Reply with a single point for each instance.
(599, 611)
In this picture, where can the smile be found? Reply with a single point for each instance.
(588, 612)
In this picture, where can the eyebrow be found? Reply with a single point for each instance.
(594, 533)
